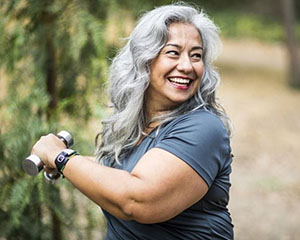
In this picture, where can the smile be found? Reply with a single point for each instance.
(180, 81)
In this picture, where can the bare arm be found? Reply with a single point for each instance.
(159, 187)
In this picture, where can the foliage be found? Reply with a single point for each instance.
(249, 26)
(65, 34)
(43, 41)
(29, 204)
(25, 201)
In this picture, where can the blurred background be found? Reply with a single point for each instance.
(54, 56)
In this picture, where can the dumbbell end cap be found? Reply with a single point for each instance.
(32, 165)
(66, 137)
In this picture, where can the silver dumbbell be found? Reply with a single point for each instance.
(32, 165)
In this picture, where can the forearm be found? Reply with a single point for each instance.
(159, 187)
(107, 187)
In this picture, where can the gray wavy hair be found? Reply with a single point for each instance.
(129, 79)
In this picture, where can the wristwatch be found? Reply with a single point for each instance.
(62, 158)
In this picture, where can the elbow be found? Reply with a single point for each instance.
(140, 204)
(141, 212)
(131, 211)
(127, 210)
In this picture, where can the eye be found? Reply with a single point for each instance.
(196, 56)
(172, 53)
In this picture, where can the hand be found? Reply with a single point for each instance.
(47, 148)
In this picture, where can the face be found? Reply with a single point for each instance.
(175, 74)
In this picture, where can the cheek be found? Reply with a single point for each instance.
(200, 70)
(155, 79)
(200, 74)
(155, 72)
(197, 85)
(158, 74)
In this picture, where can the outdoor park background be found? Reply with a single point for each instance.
(53, 63)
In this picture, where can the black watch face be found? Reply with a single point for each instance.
(61, 157)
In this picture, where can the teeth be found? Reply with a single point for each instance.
(180, 80)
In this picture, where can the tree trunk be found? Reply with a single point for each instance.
(289, 20)
(51, 84)
(51, 76)
(56, 226)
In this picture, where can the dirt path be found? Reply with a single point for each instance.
(255, 54)
(265, 196)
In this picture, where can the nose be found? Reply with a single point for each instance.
(184, 64)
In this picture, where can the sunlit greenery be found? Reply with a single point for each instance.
(250, 26)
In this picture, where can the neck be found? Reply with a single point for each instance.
(152, 113)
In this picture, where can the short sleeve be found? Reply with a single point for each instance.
(199, 139)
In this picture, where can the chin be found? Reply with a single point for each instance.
(178, 102)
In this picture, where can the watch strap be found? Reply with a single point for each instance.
(63, 157)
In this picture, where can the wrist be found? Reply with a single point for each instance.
(62, 159)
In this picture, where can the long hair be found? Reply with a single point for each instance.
(129, 79)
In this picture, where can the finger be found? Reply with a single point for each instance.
(49, 169)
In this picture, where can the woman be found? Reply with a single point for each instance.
(165, 150)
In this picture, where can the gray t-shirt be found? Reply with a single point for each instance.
(200, 139)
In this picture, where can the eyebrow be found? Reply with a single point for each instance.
(176, 45)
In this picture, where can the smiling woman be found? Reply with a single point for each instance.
(177, 71)
(165, 153)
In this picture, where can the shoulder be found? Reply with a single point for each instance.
(200, 128)
(200, 139)
(200, 121)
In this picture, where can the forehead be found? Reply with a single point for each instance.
(183, 32)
